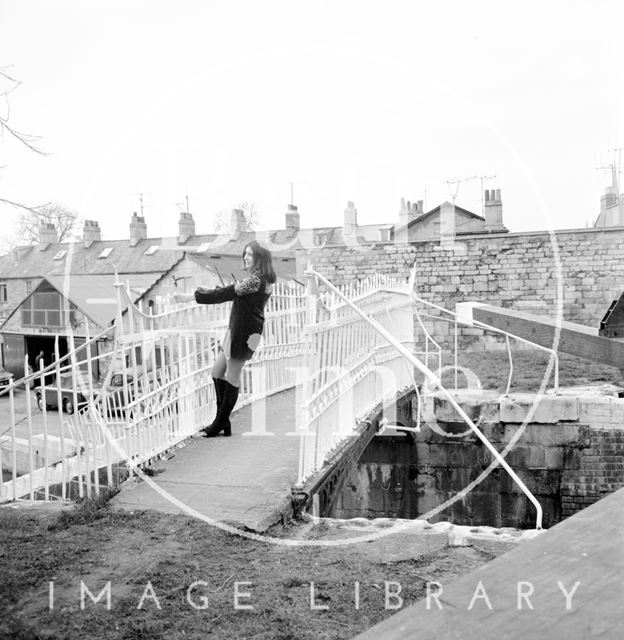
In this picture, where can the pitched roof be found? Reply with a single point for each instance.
(435, 210)
(32, 262)
(93, 295)
(227, 266)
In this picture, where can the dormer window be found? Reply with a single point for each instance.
(152, 250)
(320, 239)
(384, 235)
(60, 255)
(106, 252)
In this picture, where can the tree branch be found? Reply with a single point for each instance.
(18, 205)
(27, 140)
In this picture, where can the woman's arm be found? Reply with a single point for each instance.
(214, 296)
(251, 284)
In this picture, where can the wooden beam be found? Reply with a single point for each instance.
(581, 556)
(576, 339)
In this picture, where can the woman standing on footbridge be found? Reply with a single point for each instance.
(246, 323)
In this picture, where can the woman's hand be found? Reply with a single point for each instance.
(183, 297)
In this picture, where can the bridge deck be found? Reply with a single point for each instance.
(244, 480)
(587, 548)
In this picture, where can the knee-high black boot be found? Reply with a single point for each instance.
(222, 421)
(218, 386)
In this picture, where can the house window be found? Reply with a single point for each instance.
(28, 284)
(320, 239)
(384, 235)
(3, 292)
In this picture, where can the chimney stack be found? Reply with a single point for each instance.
(349, 226)
(47, 235)
(138, 229)
(91, 233)
(292, 219)
(407, 213)
(186, 227)
(494, 211)
(238, 223)
(609, 199)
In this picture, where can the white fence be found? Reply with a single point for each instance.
(350, 367)
(158, 390)
(351, 348)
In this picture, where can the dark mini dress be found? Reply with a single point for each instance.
(249, 298)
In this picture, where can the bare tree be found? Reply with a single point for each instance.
(250, 210)
(26, 139)
(64, 220)
(9, 85)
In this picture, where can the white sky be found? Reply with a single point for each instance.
(363, 101)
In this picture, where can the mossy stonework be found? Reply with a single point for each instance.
(569, 454)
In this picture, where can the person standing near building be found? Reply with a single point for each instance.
(39, 359)
(246, 323)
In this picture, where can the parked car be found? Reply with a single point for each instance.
(5, 377)
(67, 395)
(115, 397)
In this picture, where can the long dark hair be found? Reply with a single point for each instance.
(262, 261)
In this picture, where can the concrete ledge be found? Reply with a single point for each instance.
(478, 404)
(491, 407)
(549, 409)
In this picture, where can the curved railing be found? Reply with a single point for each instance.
(435, 383)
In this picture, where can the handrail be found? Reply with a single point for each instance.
(436, 383)
(488, 327)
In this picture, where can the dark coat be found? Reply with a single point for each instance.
(246, 317)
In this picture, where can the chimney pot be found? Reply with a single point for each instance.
(186, 227)
(237, 221)
(409, 211)
(91, 233)
(349, 226)
(47, 235)
(494, 211)
(292, 218)
(138, 229)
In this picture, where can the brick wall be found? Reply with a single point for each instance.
(599, 470)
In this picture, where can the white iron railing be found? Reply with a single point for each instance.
(350, 367)
(353, 346)
(315, 423)
(156, 392)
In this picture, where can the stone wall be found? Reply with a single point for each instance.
(570, 455)
(530, 271)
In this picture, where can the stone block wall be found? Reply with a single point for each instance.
(570, 455)
(583, 269)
